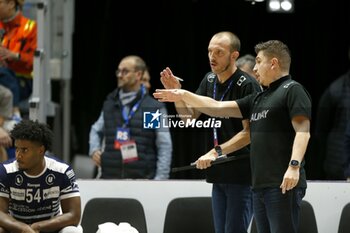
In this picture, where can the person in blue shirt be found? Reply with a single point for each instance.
(38, 193)
(119, 145)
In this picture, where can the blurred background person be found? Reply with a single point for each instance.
(5, 115)
(118, 143)
(333, 115)
(247, 63)
(18, 35)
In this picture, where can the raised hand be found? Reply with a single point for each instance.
(169, 80)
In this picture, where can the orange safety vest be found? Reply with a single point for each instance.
(20, 37)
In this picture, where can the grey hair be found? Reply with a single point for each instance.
(246, 59)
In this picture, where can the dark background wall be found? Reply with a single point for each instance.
(176, 33)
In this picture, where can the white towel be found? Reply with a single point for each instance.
(110, 227)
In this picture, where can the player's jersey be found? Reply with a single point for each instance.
(37, 198)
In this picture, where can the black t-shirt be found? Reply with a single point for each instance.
(237, 86)
(272, 133)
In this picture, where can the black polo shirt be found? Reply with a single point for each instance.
(272, 133)
(237, 86)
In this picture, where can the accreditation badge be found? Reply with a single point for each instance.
(129, 151)
(122, 135)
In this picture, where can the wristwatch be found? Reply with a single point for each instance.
(294, 163)
(218, 150)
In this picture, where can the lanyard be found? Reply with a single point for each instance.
(215, 133)
(127, 117)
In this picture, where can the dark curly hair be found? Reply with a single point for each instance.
(33, 131)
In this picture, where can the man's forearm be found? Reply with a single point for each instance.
(210, 106)
(10, 224)
(185, 111)
(300, 145)
(201, 103)
(56, 223)
(237, 142)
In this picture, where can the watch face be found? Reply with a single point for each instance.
(294, 163)
(218, 150)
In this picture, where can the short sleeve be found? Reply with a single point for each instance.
(245, 105)
(299, 102)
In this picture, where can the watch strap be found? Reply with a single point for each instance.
(218, 150)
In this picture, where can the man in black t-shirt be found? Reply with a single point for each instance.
(279, 131)
(231, 190)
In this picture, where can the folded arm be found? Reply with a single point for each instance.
(71, 212)
(10, 224)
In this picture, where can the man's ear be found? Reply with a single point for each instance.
(274, 62)
(139, 75)
(42, 149)
(235, 55)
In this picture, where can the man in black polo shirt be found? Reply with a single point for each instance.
(231, 189)
(279, 132)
